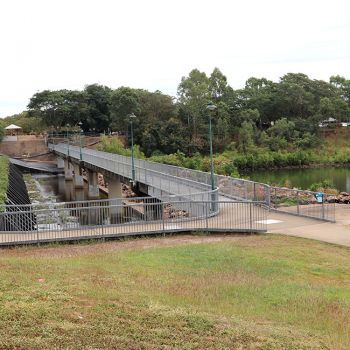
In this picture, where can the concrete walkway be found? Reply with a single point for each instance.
(337, 233)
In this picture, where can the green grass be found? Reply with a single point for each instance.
(255, 292)
(4, 169)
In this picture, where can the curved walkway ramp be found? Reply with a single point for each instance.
(97, 220)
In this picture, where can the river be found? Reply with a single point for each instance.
(303, 178)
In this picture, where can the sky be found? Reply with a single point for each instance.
(152, 44)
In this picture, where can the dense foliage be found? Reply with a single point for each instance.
(273, 116)
(4, 169)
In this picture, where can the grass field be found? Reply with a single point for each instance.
(185, 292)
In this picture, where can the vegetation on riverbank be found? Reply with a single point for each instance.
(234, 163)
(261, 292)
(278, 116)
(4, 180)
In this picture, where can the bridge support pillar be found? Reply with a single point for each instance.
(94, 191)
(68, 170)
(78, 176)
(60, 163)
(115, 196)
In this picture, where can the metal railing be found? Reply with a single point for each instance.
(303, 203)
(168, 180)
(186, 181)
(290, 201)
(137, 216)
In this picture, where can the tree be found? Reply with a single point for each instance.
(342, 85)
(98, 99)
(217, 85)
(58, 108)
(193, 94)
(123, 102)
(246, 137)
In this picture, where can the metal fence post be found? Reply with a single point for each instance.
(322, 207)
(207, 216)
(298, 209)
(250, 217)
(268, 196)
(162, 208)
(37, 228)
(102, 224)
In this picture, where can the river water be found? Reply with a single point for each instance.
(303, 178)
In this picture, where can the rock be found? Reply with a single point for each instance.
(344, 199)
(332, 199)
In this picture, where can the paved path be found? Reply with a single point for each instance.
(337, 233)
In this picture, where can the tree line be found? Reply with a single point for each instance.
(275, 115)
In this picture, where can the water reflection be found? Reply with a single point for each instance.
(303, 178)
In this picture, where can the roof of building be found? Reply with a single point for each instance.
(12, 127)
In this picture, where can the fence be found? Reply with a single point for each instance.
(291, 201)
(108, 218)
(303, 203)
(196, 185)
(167, 179)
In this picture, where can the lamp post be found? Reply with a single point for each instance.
(211, 108)
(68, 140)
(80, 140)
(131, 117)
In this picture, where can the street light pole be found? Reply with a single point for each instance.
(211, 108)
(68, 140)
(80, 143)
(131, 117)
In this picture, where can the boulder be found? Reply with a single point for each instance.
(332, 199)
(344, 199)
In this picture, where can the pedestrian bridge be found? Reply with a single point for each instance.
(173, 199)
(159, 181)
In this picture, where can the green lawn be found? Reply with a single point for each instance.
(211, 292)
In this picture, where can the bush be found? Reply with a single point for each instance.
(115, 145)
(321, 186)
(4, 170)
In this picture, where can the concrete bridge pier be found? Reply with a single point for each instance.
(78, 176)
(60, 163)
(115, 196)
(94, 191)
(68, 170)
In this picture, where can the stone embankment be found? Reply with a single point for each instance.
(341, 198)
